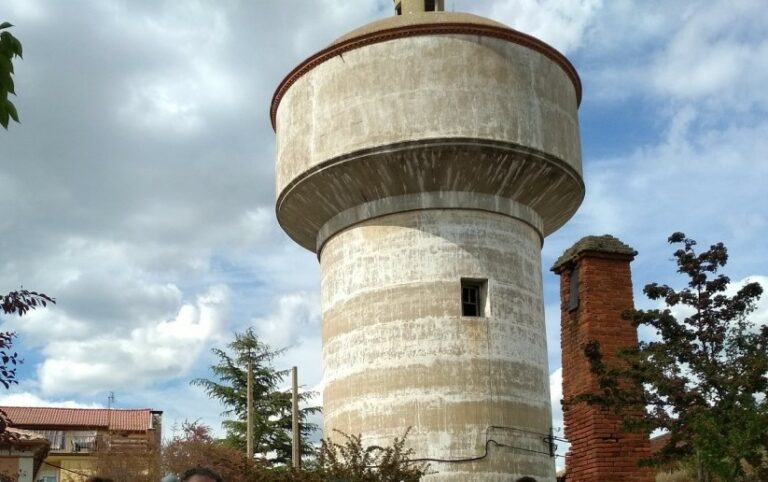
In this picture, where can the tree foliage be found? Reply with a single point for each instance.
(353, 461)
(10, 47)
(272, 407)
(135, 465)
(703, 378)
(350, 461)
(20, 303)
(195, 446)
(16, 302)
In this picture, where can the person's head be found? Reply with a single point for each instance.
(201, 474)
(98, 479)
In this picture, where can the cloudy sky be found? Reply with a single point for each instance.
(138, 189)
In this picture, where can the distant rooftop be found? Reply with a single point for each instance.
(135, 420)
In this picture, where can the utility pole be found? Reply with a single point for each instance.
(110, 403)
(296, 445)
(249, 410)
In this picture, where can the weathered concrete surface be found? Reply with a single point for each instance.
(397, 353)
(426, 87)
(427, 113)
(412, 153)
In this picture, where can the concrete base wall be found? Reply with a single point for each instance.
(398, 354)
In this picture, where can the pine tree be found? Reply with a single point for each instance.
(703, 378)
(272, 417)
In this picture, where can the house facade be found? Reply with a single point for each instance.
(78, 436)
(21, 455)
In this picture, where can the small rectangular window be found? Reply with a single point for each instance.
(473, 293)
(429, 5)
(573, 290)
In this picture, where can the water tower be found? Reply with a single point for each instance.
(424, 158)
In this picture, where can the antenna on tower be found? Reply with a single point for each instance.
(110, 400)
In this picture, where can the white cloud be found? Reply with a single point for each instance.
(561, 23)
(712, 52)
(296, 314)
(23, 11)
(149, 352)
(719, 52)
(27, 399)
(556, 397)
(697, 180)
(760, 316)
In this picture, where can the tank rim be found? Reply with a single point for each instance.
(439, 28)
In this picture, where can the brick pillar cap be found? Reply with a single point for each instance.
(598, 245)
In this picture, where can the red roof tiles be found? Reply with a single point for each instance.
(135, 420)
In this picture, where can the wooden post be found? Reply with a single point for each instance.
(296, 446)
(249, 411)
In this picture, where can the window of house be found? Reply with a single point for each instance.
(429, 5)
(55, 437)
(83, 441)
(47, 478)
(573, 290)
(473, 292)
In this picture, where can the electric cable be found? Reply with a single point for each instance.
(66, 470)
(488, 441)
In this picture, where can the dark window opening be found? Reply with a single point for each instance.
(399, 9)
(472, 297)
(429, 5)
(573, 290)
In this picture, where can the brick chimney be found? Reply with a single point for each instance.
(595, 289)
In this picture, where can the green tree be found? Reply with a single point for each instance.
(349, 461)
(704, 376)
(16, 302)
(10, 47)
(271, 407)
(352, 461)
(195, 446)
(21, 301)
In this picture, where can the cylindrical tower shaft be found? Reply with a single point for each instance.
(400, 350)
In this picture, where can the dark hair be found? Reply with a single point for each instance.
(201, 471)
(98, 479)
(526, 479)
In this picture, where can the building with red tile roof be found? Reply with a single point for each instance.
(21, 454)
(77, 435)
(136, 420)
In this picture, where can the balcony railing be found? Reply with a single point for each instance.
(71, 442)
(83, 443)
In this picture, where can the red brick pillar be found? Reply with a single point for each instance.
(597, 270)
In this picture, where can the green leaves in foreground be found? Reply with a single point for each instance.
(10, 47)
(702, 377)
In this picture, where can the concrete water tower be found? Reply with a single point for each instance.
(424, 158)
